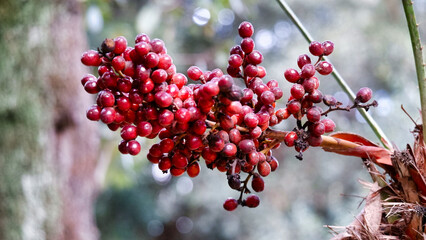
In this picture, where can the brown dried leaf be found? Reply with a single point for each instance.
(373, 210)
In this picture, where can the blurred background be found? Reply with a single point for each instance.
(128, 196)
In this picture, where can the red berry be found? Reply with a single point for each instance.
(94, 113)
(235, 61)
(252, 201)
(193, 169)
(194, 73)
(165, 62)
(291, 75)
(364, 95)
(329, 125)
(176, 172)
(108, 115)
(290, 138)
(302, 60)
(165, 164)
(316, 48)
(247, 45)
(179, 160)
(308, 70)
(144, 129)
(324, 68)
(163, 99)
(122, 147)
(120, 45)
(267, 97)
(229, 150)
(129, 132)
(159, 76)
(313, 114)
(328, 47)
(297, 91)
(91, 58)
(257, 183)
(166, 118)
(91, 87)
(246, 146)
(88, 77)
(166, 145)
(118, 63)
(230, 204)
(133, 147)
(255, 57)
(245, 29)
(317, 129)
(264, 168)
(293, 106)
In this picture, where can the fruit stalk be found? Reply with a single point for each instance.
(418, 55)
(342, 83)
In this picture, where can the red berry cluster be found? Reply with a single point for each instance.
(305, 97)
(226, 122)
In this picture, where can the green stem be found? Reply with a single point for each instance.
(342, 83)
(418, 55)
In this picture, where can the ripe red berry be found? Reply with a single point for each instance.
(317, 129)
(193, 169)
(246, 146)
(94, 113)
(297, 91)
(118, 63)
(257, 183)
(133, 147)
(252, 201)
(267, 97)
(176, 172)
(179, 160)
(302, 60)
(194, 72)
(229, 150)
(324, 68)
(235, 61)
(163, 99)
(88, 77)
(293, 106)
(247, 45)
(165, 163)
(108, 115)
(290, 138)
(255, 57)
(291, 75)
(230, 204)
(144, 129)
(91, 58)
(313, 114)
(308, 70)
(316, 48)
(245, 29)
(328, 47)
(364, 95)
(120, 45)
(129, 132)
(264, 168)
(329, 125)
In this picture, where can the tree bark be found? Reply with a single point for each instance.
(48, 149)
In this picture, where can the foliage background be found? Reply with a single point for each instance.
(371, 49)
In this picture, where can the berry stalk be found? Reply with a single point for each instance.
(342, 83)
(418, 55)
